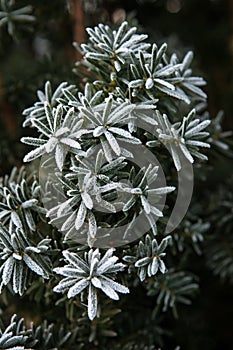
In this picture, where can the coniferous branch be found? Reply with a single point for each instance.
(219, 255)
(189, 84)
(148, 260)
(61, 133)
(90, 119)
(150, 72)
(171, 289)
(85, 184)
(191, 232)
(20, 257)
(51, 337)
(92, 273)
(186, 136)
(219, 246)
(142, 194)
(15, 336)
(219, 139)
(126, 83)
(101, 328)
(89, 94)
(10, 17)
(113, 46)
(48, 97)
(107, 126)
(19, 200)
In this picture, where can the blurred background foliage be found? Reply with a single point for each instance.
(42, 50)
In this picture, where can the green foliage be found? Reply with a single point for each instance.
(16, 336)
(186, 136)
(61, 133)
(138, 69)
(11, 17)
(20, 257)
(171, 289)
(92, 274)
(221, 141)
(156, 76)
(219, 243)
(113, 46)
(20, 200)
(37, 111)
(148, 260)
(191, 231)
(90, 130)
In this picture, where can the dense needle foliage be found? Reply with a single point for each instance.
(89, 285)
